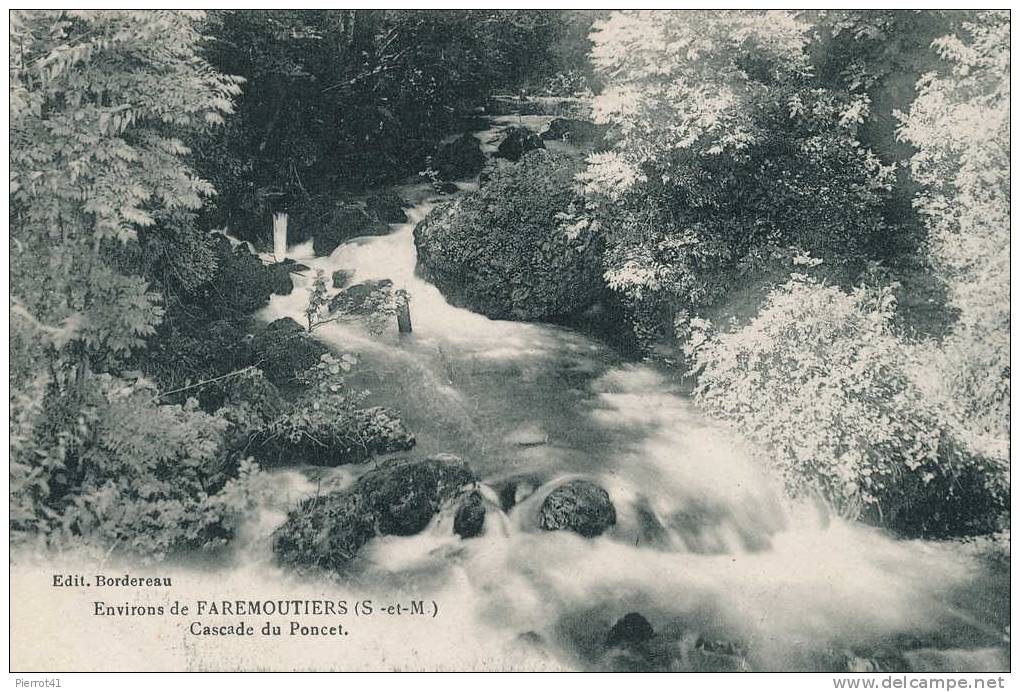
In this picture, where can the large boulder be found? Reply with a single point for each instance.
(470, 517)
(572, 130)
(579, 506)
(387, 206)
(399, 498)
(241, 285)
(344, 223)
(459, 159)
(518, 142)
(283, 349)
(501, 251)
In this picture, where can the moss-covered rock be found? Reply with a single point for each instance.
(387, 206)
(344, 223)
(361, 298)
(282, 284)
(399, 498)
(518, 142)
(572, 130)
(241, 285)
(342, 277)
(579, 506)
(283, 349)
(461, 158)
(632, 628)
(501, 250)
(469, 520)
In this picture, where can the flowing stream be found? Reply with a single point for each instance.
(705, 546)
(728, 573)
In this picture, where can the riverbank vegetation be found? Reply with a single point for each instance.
(803, 213)
(800, 211)
(142, 391)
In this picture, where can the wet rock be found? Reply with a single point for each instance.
(883, 658)
(459, 159)
(361, 298)
(496, 250)
(293, 266)
(470, 517)
(527, 436)
(446, 188)
(341, 277)
(486, 175)
(532, 638)
(387, 206)
(526, 649)
(720, 646)
(343, 224)
(856, 664)
(632, 628)
(282, 284)
(579, 506)
(283, 349)
(242, 284)
(517, 142)
(399, 498)
(406, 494)
(571, 130)
(649, 530)
(515, 490)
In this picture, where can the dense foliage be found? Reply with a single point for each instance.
(960, 126)
(342, 99)
(500, 250)
(725, 148)
(758, 185)
(99, 103)
(749, 148)
(325, 424)
(822, 381)
(137, 375)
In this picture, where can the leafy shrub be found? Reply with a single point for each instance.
(102, 204)
(573, 83)
(959, 124)
(84, 473)
(325, 424)
(821, 381)
(501, 250)
(283, 350)
(723, 147)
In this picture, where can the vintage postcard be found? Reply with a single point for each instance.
(510, 340)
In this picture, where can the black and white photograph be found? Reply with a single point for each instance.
(510, 341)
